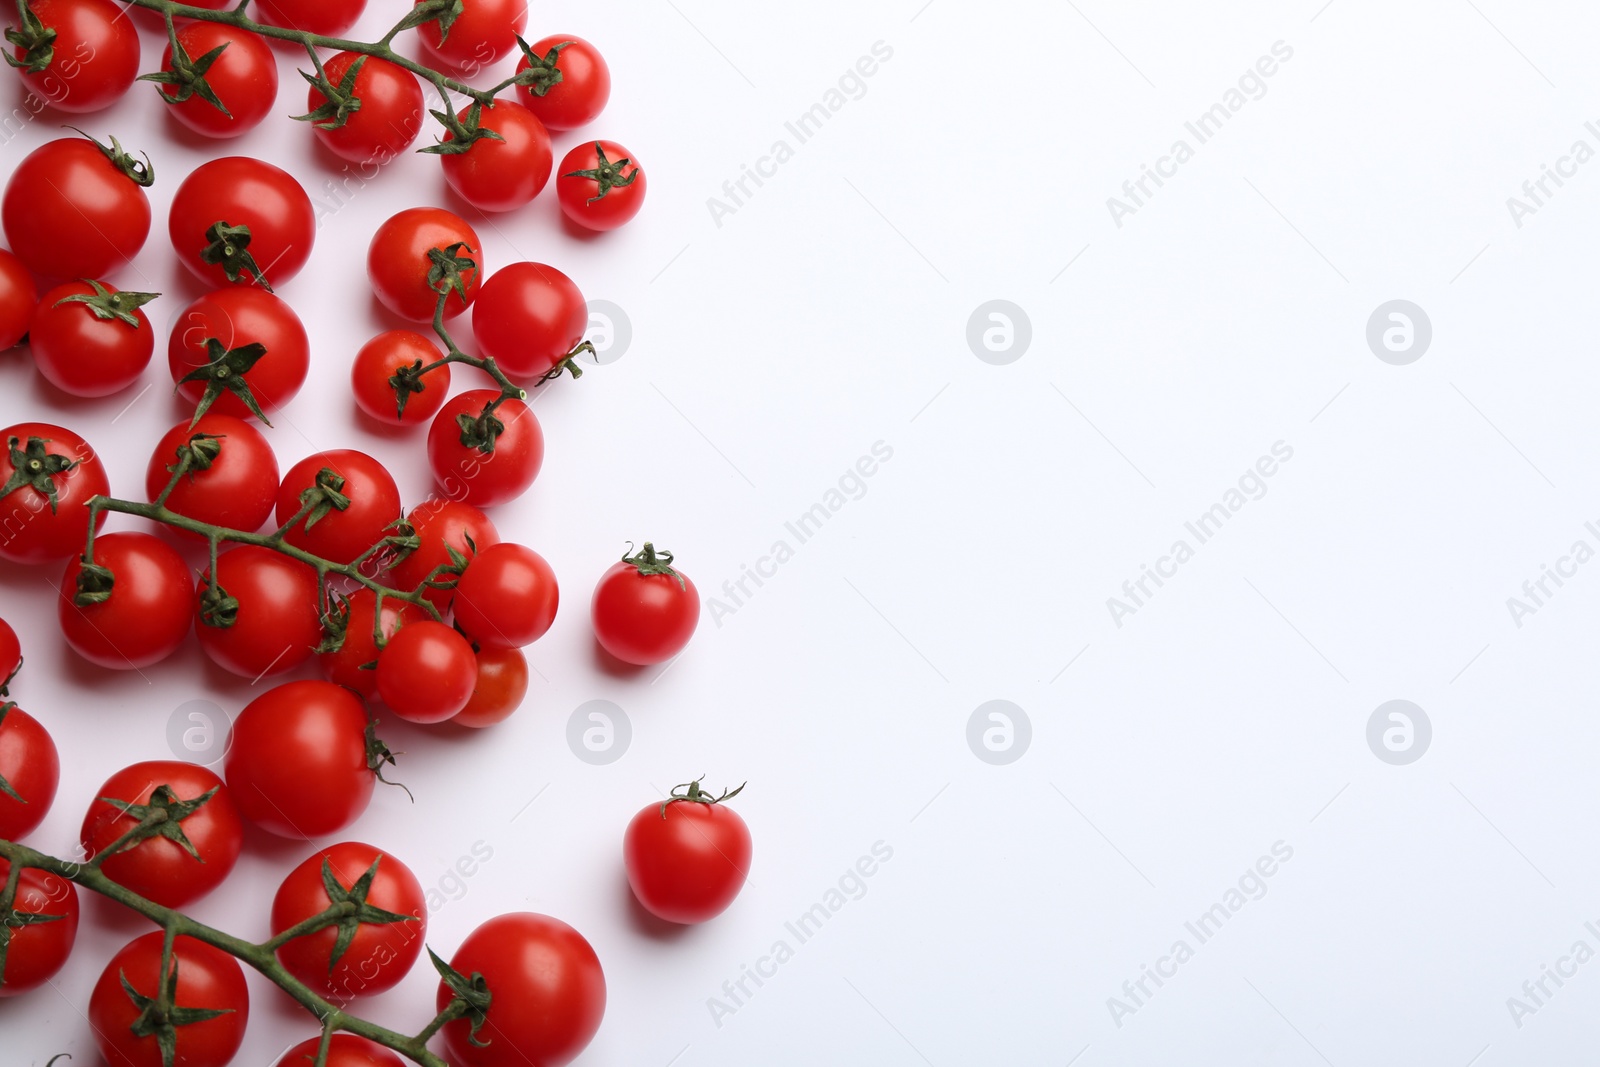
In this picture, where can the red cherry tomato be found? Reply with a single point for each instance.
(55, 473)
(380, 359)
(345, 1050)
(398, 263)
(10, 658)
(574, 83)
(89, 339)
(341, 535)
(30, 766)
(426, 672)
(442, 524)
(390, 115)
(688, 858)
(501, 685)
(37, 950)
(236, 490)
(528, 319)
(354, 664)
(329, 18)
(244, 77)
(236, 318)
(485, 31)
(504, 174)
(19, 297)
(381, 952)
(147, 611)
(73, 209)
(644, 610)
(600, 185)
(201, 977)
(495, 460)
(160, 868)
(240, 194)
(276, 624)
(94, 54)
(506, 598)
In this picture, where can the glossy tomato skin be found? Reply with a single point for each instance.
(150, 609)
(378, 361)
(388, 120)
(207, 978)
(426, 673)
(237, 490)
(82, 354)
(96, 55)
(242, 191)
(30, 764)
(644, 618)
(337, 535)
(485, 31)
(580, 194)
(354, 665)
(527, 318)
(468, 473)
(297, 760)
(581, 94)
(442, 524)
(686, 862)
(501, 175)
(158, 868)
(398, 264)
(549, 993)
(69, 212)
(345, 1050)
(278, 624)
(240, 316)
(39, 950)
(244, 77)
(507, 597)
(330, 18)
(34, 531)
(19, 298)
(502, 683)
(381, 953)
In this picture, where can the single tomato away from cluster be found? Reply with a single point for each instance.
(687, 858)
(644, 610)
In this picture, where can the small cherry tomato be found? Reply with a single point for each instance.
(231, 479)
(242, 75)
(600, 185)
(243, 348)
(76, 209)
(238, 220)
(687, 858)
(353, 502)
(31, 769)
(39, 946)
(140, 616)
(329, 18)
(45, 487)
(442, 525)
(271, 601)
(426, 672)
(89, 339)
(491, 460)
(501, 685)
(19, 297)
(201, 978)
(529, 318)
(398, 263)
(345, 1050)
(381, 361)
(354, 664)
(93, 53)
(484, 31)
(572, 85)
(503, 174)
(10, 658)
(506, 598)
(645, 611)
(386, 123)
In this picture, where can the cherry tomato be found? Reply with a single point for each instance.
(276, 624)
(19, 297)
(297, 760)
(235, 319)
(38, 949)
(380, 359)
(10, 658)
(688, 858)
(485, 31)
(386, 123)
(74, 209)
(255, 216)
(345, 1050)
(161, 868)
(381, 952)
(505, 174)
(201, 977)
(237, 486)
(528, 318)
(372, 504)
(600, 185)
(506, 598)
(549, 993)
(147, 611)
(492, 461)
(442, 524)
(645, 611)
(94, 54)
(54, 473)
(244, 77)
(573, 85)
(426, 672)
(89, 339)
(501, 685)
(31, 768)
(354, 664)
(398, 263)
(329, 18)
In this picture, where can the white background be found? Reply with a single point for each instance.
(829, 312)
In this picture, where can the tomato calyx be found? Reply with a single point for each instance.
(225, 369)
(472, 997)
(648, 561)
(94, 583)
(162, 817)
(106, 305)
(322, 496)
(188, 75)
(141, 174)
(36, 40)
(379, 756)
(605, 174)
(353, 910)
(448, 269)
(159, 1016)
(197, 454)
(444, 12)
(569, 363)
(340, 101)
(693, 794)
(480, 431)
(36, 468)
(229, 247)
(406, 381)
(463, 134)
(218, 609)
(541, 74)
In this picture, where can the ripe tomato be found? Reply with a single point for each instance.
(494, 458)
(442, 524)
(74, 209)
(388, 930)
(644, 611)
(528, 319)
(354, 664)
(94, 54)
(19, 296)
(147, 611)
(426, 672)
(398, 263)
(549, 993)
(49, 478)
(345, 1050)
(176, 865)
(600, 186)
(505, 174)
(213, 335)
(688, 858)
(506, 597)
(88, 339)
(201, 978)
(501, 685)
(276, 619)
(573, 83)
(243, 77)
(377, 364)
(236, 489)
(38, 948)
(30, 769)
(485, 31)
(297, 760)
(330, 18)
(372, 504)
(254, 217)
(388, 118)
(10, 659)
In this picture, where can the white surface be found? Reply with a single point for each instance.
(828, 313)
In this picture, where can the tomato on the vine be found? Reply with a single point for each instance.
(573, 83)
(191, 852)
(442, 525)
(426, 672)
(384, 358)
(388, 118)
(252, 220)
(329, 18)
(90, 339)
(385, 934)
(484, 32)
(231, 479)
(272, 602)
(240, 346)
(47, 909)
(345, 1050)
(399, 266)
(148, 603)
(93, 53)
(491, 459)
(19, 296)
(501, 685)
(45, 485)
(76, 209)
(529, 317)
(242, 76)
(600, 185)
(644, 610)
(503, 174)
(506, 598)
(30, 769)
(371, 504)
(210, 1004)
(687, 858)
(354, 663)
